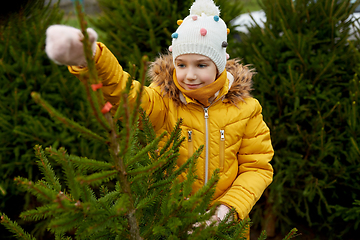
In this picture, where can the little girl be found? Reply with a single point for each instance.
(197, 83)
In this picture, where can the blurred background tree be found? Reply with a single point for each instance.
(307, 61)
(24, 67)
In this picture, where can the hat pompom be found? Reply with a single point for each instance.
(204, 6)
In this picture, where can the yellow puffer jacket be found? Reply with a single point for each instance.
(236, 139)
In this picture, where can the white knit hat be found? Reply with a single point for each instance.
(202, 32)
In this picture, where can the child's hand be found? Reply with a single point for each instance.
(219, 216)
(221, 212)
(64, 45)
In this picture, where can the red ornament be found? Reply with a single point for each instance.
(106, 108)
(96, 86)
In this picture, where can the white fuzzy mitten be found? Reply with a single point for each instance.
(222, 211)
(219, 215)
(64, 45)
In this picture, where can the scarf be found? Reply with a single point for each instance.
(203, 94)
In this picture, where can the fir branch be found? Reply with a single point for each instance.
(63, 158)
(190, 176)
(88, 194)
(243, 227)
(160, 162)
(146, 149)
(41, 212)
(95, 98)
(121, 205)
(15, 228)
(66, 222)
(98, 178)
(103, 227)
(46, 169)
(231, 229)
(147, 126)
(291, 234)
(174, 135)
(143, 70)
(86, 42)
(124, 146)
(148, 201)
(84, 163)
(175, 174)
(203, 193)
(120, 111)
(124, 182)
(94, 101)
(43, 193)
(263, 235)
(70, 123)
(190, 160)
(109, 198)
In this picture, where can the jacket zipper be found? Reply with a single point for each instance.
(206, 115)
(190, 144)
(222, 149)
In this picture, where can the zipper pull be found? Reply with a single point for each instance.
(206, 113)
(189, 136)
(222, 135)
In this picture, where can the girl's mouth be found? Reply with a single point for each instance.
(192, 86)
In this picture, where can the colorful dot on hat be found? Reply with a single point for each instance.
(224, 44)
(194, 17)
(216, 18)
(228, 31)
(179, 22)
(203, 32)
(170, 48)
(175, 35)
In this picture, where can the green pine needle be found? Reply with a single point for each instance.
(15, 228)
(42, 212)
(40, 190)
(146, 149)
(46, 169)
(98, 178)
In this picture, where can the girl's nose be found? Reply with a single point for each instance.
(191, 75)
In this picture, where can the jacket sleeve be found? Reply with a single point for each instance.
(114, 81)
(255, 171)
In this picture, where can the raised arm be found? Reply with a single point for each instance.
(64, 46)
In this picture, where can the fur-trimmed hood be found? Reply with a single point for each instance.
(161, 71)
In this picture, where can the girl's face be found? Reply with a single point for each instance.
(194, 71)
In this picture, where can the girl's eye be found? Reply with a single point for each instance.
(180, 65)
(202, 65)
